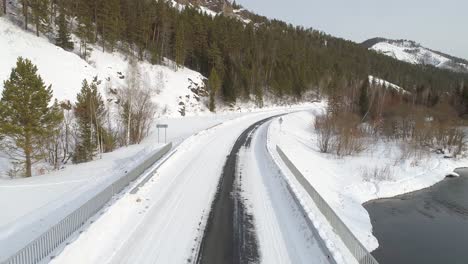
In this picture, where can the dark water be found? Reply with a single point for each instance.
(428, 226)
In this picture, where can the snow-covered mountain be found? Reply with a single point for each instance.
(415, 53)
(217, 7)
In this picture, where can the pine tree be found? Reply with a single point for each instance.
(214, 84)
(63, 39)
(179, 45)
(4, 6)
(25, 10)
(200, 44)
(26, 119)
(40, 12)
(364, 99)
(215, 59)
(270, 57)
(89, 111)
(85, 28)
(109, 21)
(464, 99)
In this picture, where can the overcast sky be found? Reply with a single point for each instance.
(438, 24)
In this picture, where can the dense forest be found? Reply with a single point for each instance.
(244, 59)
(261, 57)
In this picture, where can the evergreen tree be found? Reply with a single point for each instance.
(464, 99)
(109, 23)
(270, 57)
(4, 5)
(364, 99)
(213, 84)
(63, 39)
(26, 119)
(25, 10)
(85, 28)
(40, 12)
(89, 111)
(179, 45)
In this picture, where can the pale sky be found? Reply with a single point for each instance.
(437, 24)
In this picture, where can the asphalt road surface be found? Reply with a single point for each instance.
(229, 236)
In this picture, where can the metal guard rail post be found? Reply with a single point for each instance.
(46, 243)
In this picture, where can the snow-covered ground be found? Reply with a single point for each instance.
(347, 183)
(31, 205)
(44, 189)
(414, 53)
(410, 54)
(163, 222)
(174, 90)
(65, 71)
(41, 199)
(203, 9)
(381, 82)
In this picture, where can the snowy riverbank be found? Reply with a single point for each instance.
(347, 183)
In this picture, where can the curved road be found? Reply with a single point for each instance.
(164, 222)
(254, 218)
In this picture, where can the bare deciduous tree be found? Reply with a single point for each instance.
(136, 107)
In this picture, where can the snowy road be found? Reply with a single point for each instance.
(164, 221)
(229, 236)
(254, 218)
(282, 231)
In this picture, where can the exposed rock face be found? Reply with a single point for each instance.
(214, 5)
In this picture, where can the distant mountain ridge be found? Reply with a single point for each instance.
(413, 52)
(217, 7)
(403, 50)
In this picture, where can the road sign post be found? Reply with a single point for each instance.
(165, 126)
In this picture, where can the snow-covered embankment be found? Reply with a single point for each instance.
(343, 181)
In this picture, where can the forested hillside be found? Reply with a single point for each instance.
(263, 56)
(245, 57)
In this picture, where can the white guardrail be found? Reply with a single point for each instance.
(352, 243)
(46, 243)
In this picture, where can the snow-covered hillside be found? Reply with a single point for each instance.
(174, 89)
(346, 183)
(414, 53)
(380, 82)
(214, 8)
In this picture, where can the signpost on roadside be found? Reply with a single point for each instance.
(281, 122)
(165, 126)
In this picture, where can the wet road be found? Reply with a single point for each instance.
(229, 236)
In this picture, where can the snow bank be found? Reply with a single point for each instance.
(345, 183)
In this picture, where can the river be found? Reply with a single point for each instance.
(429, 226)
